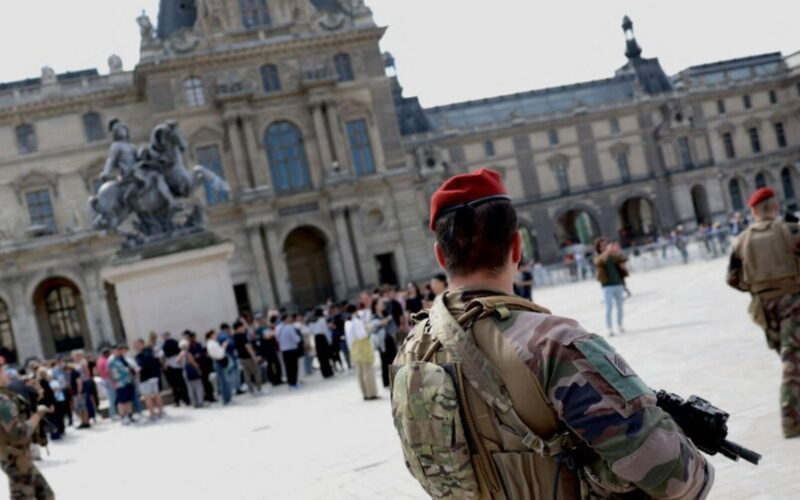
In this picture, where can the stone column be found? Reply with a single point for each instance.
(322, 136)
(260, 261)
(345, 249)
(244, 179)
(368, 271)
(27, 337)
(258, 160)
(337, 137)
(101, 328)
(279, 269)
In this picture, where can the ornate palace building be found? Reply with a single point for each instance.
(331, 167)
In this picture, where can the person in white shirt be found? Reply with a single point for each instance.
(361, 353)
(216, 352)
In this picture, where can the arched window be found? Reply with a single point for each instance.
(344, 68)
(7, 349)
(286, 153)
(269, 78)
(735, 190)
(761, 180)
(195, 93)
(93, 126)
(26, 139)
(788, 185)
(360, 147)
(255, 13)
(63, 314)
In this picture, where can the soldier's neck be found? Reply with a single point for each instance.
(503, 282)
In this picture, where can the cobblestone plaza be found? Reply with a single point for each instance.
(687, 333)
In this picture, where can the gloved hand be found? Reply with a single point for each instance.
(42, 410)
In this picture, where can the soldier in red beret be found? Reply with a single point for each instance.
(491, 394)
(765, 263)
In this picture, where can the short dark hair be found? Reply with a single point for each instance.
(477, 239)
(224, 326)
(237, 324)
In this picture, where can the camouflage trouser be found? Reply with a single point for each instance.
(24, 479)
(783, 318)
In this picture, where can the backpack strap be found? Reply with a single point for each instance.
(452, 335)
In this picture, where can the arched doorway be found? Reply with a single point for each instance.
(638, 219)
(702, 213)
(763, 179)
(7, 347)
(61, 316)
(309, 270)
(735, 191)
(530, 247)
(576, 226)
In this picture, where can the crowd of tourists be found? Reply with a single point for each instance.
(271, 348)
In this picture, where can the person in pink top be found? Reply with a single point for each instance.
(102, 371)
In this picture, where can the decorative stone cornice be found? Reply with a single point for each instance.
(35, 178)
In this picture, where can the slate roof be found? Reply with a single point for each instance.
(740, 68)
(62, 77)
(532, 103)
(175, 15)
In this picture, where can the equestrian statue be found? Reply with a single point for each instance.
(150, 184)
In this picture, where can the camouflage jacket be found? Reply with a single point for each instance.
(15, 430)
(591, 391)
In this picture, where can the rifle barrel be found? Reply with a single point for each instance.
(735, 450)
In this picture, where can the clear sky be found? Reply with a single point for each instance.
(446, 50)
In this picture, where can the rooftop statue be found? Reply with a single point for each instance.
(149, 184)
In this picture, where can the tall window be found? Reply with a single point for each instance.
(552, 136)
(269, 78)
(761, 180)
(746, 101)
(786, 181)
(727, 142)
(780, 136)
(6, 333)
(685, 151)
(755, 141)
(624, 169)
(286, 153)
(488, 148)
(562, 177)
(613, 124)
(344, 68)
(41, 210)
(93, 126)
(735, 190)
(773, 97)
(195, 93)
(64, 318)
(254, 13)
(360, 147)
(721, 106)
(26, 139)
(209, 157)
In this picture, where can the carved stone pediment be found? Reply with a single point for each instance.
(32, 180)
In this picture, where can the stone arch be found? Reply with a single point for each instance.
(763, 178)
(638, 219)
(61, 315)
(530, 240)
(576, 223)
(702, 212)
(788, 183)
(306, 253)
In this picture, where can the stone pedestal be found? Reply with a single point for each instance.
(189, 289)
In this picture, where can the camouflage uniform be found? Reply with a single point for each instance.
(24, 479)
(560, 381)
(775, 308)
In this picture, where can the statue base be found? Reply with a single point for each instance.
(176, 285)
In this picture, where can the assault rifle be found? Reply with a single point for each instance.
(705, 424)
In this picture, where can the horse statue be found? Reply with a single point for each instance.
(150, 189)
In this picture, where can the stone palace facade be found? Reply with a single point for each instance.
(331, 167)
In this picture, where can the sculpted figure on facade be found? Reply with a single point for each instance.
(145, 29)
(149, 183)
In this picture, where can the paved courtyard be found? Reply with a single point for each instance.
(687, 332)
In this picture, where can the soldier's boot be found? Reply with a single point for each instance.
(790, 387)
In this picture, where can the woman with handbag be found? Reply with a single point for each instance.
(611, 273)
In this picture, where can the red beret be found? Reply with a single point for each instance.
(760, 195)
(466, 190)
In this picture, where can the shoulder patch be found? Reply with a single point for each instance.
(8, 410)
(613, 368)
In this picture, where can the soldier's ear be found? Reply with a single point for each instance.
(516, 249)
(440, 256)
